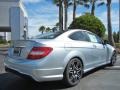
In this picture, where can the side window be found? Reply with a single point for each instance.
(92, 38)
(80, 36)
(99, 40)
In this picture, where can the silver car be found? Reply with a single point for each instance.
(59, 56)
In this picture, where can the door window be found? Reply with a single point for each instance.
(80, 36)
(92, 38)
(99, 40)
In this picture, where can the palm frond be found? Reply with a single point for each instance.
(101, 4)
(86, 1)
(80, 3)
(55, 1)
(70, 4)
(87, 5)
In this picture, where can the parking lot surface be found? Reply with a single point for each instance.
(104, 78)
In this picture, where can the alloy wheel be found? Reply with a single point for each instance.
(74, 72)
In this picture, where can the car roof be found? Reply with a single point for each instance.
(68, 32)
(74, 30)
(77, 30)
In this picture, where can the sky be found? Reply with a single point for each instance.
(44, 12)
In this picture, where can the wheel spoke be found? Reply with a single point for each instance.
(113, 59)
(78, 64)
(74, 71)
(71, 71)
(74, 67)
(79, 69)
(78, 75)
(72, 78)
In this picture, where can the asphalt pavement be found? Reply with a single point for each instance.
(103, 78)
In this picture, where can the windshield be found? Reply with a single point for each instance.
(49, 35)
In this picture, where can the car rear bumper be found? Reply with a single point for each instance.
(17, 73)
(37, 74)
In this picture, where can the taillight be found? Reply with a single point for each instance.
(39, 52)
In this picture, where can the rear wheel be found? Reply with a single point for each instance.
(113, 59)
(73, 72)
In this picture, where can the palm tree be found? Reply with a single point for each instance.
(57, 24)
(48, 29)
(78, 2)
(65, 13)
(42, 29)
(93, 5)
(59, 3)
(74, 8)
(110, 36)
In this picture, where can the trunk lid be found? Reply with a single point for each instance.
(21, 48)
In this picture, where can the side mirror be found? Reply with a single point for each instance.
(105, 42)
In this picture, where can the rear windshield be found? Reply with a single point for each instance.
(49, 35)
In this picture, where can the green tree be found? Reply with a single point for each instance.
(110, 36)
(63, 4)
(48, 29)
(89, 22)
(116, 37)
(54, 29)
(105, 37)
(57, 25)
(42, 29)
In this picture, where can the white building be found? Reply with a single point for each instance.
(13, 20)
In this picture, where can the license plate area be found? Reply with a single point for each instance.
(17, 51)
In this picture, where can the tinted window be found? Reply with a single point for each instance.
(50, 35)
(94, 38)
(99, 40)
(80, 36)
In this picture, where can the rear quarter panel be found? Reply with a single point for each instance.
(72, 54)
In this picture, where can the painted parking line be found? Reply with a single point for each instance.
(113, 68)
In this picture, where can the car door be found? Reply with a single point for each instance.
(99, 49)
(81, 43)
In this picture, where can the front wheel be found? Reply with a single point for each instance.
(73, 72)
(113, 59)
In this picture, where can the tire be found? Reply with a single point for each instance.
(73, 72)
(113, 59)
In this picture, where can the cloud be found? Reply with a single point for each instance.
(31, 1)
(39, 20)
(42, 15)
(115, 1)
(70, 16)
(47, 14)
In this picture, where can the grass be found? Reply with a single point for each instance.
(4, 45)
(117, 45)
